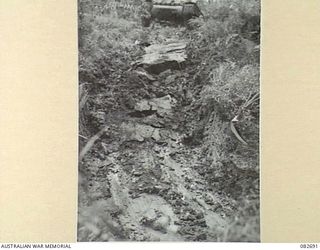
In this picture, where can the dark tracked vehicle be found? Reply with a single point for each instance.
(173, 11)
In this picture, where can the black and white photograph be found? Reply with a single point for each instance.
(169, 120)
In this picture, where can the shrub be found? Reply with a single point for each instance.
(224, 50)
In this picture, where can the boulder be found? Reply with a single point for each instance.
(161, 57)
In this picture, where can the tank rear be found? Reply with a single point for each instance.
(172, 13)
(175, 11)
(190, 10)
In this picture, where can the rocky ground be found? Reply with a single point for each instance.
(147, 176)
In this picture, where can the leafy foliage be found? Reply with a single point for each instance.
(225, 51)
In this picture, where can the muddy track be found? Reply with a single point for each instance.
(148, 182)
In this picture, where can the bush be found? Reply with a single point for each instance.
(225, 53)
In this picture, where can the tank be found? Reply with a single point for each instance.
(176, 11)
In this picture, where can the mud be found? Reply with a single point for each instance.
(148, 178)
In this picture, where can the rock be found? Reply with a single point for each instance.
(160, 57)
(140, 132)
(143, 106)
(170, 79)
(149, 217)
(153, 121)
(163, 105)
(162, 223)
(156, 135)
(143, 73)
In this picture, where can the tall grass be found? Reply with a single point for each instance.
(225, 51)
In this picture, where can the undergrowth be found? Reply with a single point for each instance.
(225, 51)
